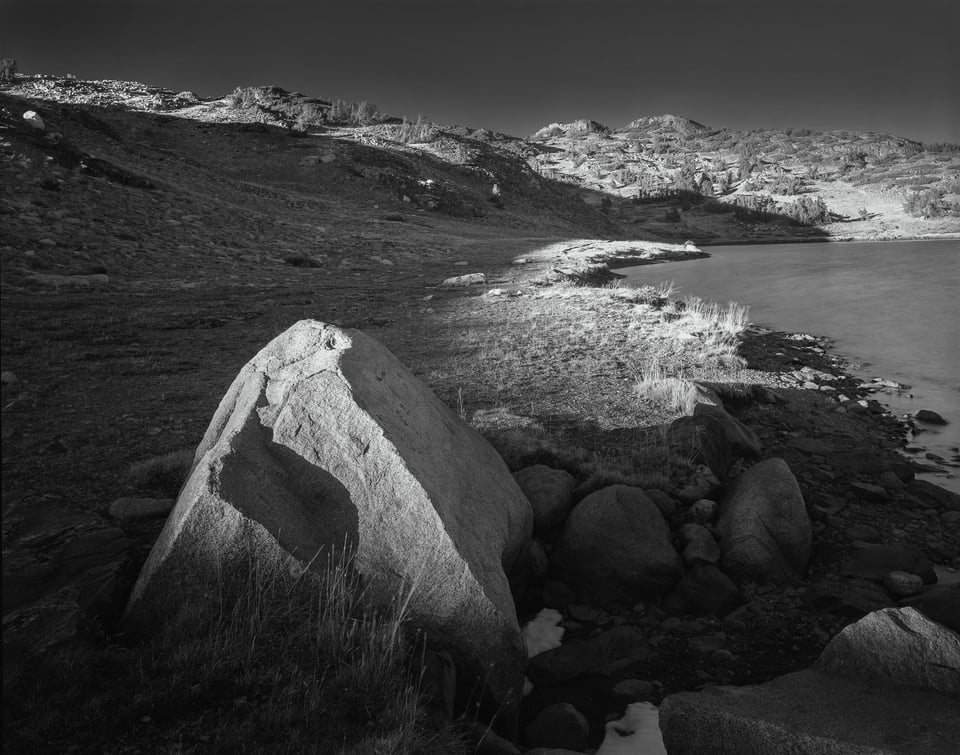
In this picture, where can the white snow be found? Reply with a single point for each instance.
(637, 733)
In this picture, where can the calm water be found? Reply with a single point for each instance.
(892, 308)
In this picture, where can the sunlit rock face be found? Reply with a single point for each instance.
(324, 441)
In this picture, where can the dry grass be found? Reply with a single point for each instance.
(286, 661)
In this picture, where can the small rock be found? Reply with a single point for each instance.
(862, 532)
(703, 511)
(632, 690)
(558, 725)
(462, 281)
(930, 417)
(901, 584)
(34, 120)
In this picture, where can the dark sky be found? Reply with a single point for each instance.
(515, 65)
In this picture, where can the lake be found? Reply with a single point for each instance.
(892, 308)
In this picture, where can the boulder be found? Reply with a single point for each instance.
(703, 590)
(765, 532)
(615, 549)
(462, 281)
(324, 441)
(32, 119)
(923, 415)
(131, 509)
(874, 562)
(809, 712)
(940, 603)
(901, 584)
(550, 492)
(604, 653)
(742, 440)
(64, 571)
(699, 545)
(896, 646)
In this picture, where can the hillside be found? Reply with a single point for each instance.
(842, 183)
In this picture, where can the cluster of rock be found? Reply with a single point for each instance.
(325, 441)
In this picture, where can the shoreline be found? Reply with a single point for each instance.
(828, 240)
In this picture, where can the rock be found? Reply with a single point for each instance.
(850, 598)
(557, 725)
(550, 492)
(631, 690)
(139, 509)
(940, 604)
(699, 545)
(35, 121)
(63, 572)
(900, 584)
(703, 440)
(538, 559)
(704, 589)
(869, 492)
(923, 415)
(703, 511)
(615, 548)
(666, 504)
(765, 532)
(742, 440)
(866, 461)
(862, 532)
(809, 712)
(636, 733)
(896, 646)
(702, 483)
(607, 651)
(557, 595)
(324, 440)
(462, 281)
(874, 562)
(810, 446)
(542, 633)
(933, 496)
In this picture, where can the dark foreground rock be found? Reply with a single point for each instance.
(810, 712)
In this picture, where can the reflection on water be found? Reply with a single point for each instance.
(892, 307)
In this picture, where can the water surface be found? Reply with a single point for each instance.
(893, 309)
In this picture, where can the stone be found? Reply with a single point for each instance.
(63, 571)
(538, 559)
(604, 653)
(869, 492)
(632, 690)
(462, 281)
(933, 496)
(923, 415)
(765, 532)
(704, 589)
(703, 482)
(699, 545)
(557, 725)
(809, 712)
(900, 584)
(851, 598)
(637, 732)
(663, 501)
(862, 532)
(325, 441)
(866, 461)
(703, 511)
(940, 603)
(896, 646)
(703, 440)
(810, 446)
(550, 492)
(742, 440)
(33, 120)
(874, 562)
(615, 549)
(139, 509)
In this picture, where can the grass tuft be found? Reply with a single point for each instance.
(284, 661)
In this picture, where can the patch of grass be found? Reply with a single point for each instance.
(285, 661)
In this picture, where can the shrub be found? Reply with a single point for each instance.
(807, 211)
(672, 215)
(421, 132)
(925, 203)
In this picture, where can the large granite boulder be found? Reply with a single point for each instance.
(899, 646)
(615, 549)
(550, 492)
(325, 441)
(765, 531)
